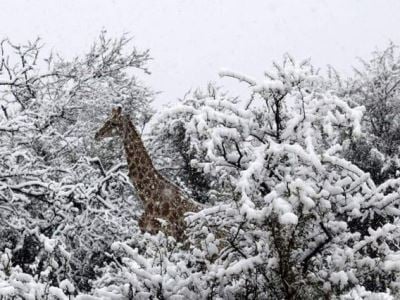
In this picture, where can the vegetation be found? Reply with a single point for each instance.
(298, 178)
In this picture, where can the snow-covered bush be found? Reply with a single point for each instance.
(63, 199)
(376, 86)
(285, 225)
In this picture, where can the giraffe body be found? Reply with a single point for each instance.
(164, 203)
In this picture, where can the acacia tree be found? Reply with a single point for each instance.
(376, 86)
(63, 199)
(282, 227)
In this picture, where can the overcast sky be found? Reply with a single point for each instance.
(191, 40)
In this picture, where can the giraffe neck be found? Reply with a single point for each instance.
(141, 170)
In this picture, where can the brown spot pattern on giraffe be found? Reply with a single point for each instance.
(165, 208)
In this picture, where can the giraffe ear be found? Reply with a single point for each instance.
(116, 111)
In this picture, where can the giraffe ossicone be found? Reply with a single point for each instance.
(164, 203)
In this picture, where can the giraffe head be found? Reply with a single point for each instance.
(112, 126)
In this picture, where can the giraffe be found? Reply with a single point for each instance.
(164, 203)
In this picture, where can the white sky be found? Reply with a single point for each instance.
(191, 40)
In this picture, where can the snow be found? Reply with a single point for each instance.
(24, 277)
(87, 297)
(243, 265)
(360, 293)
(240, 77)
(212, 249)
(392, 262)
(281, 205)
(270, 85)
(6, 290)
(340, 278)
(66, 285)
(49, 244)
(57, 293)
(288, 219)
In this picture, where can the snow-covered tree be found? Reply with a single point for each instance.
(64, 199)
(376, 86)
(284, 226)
